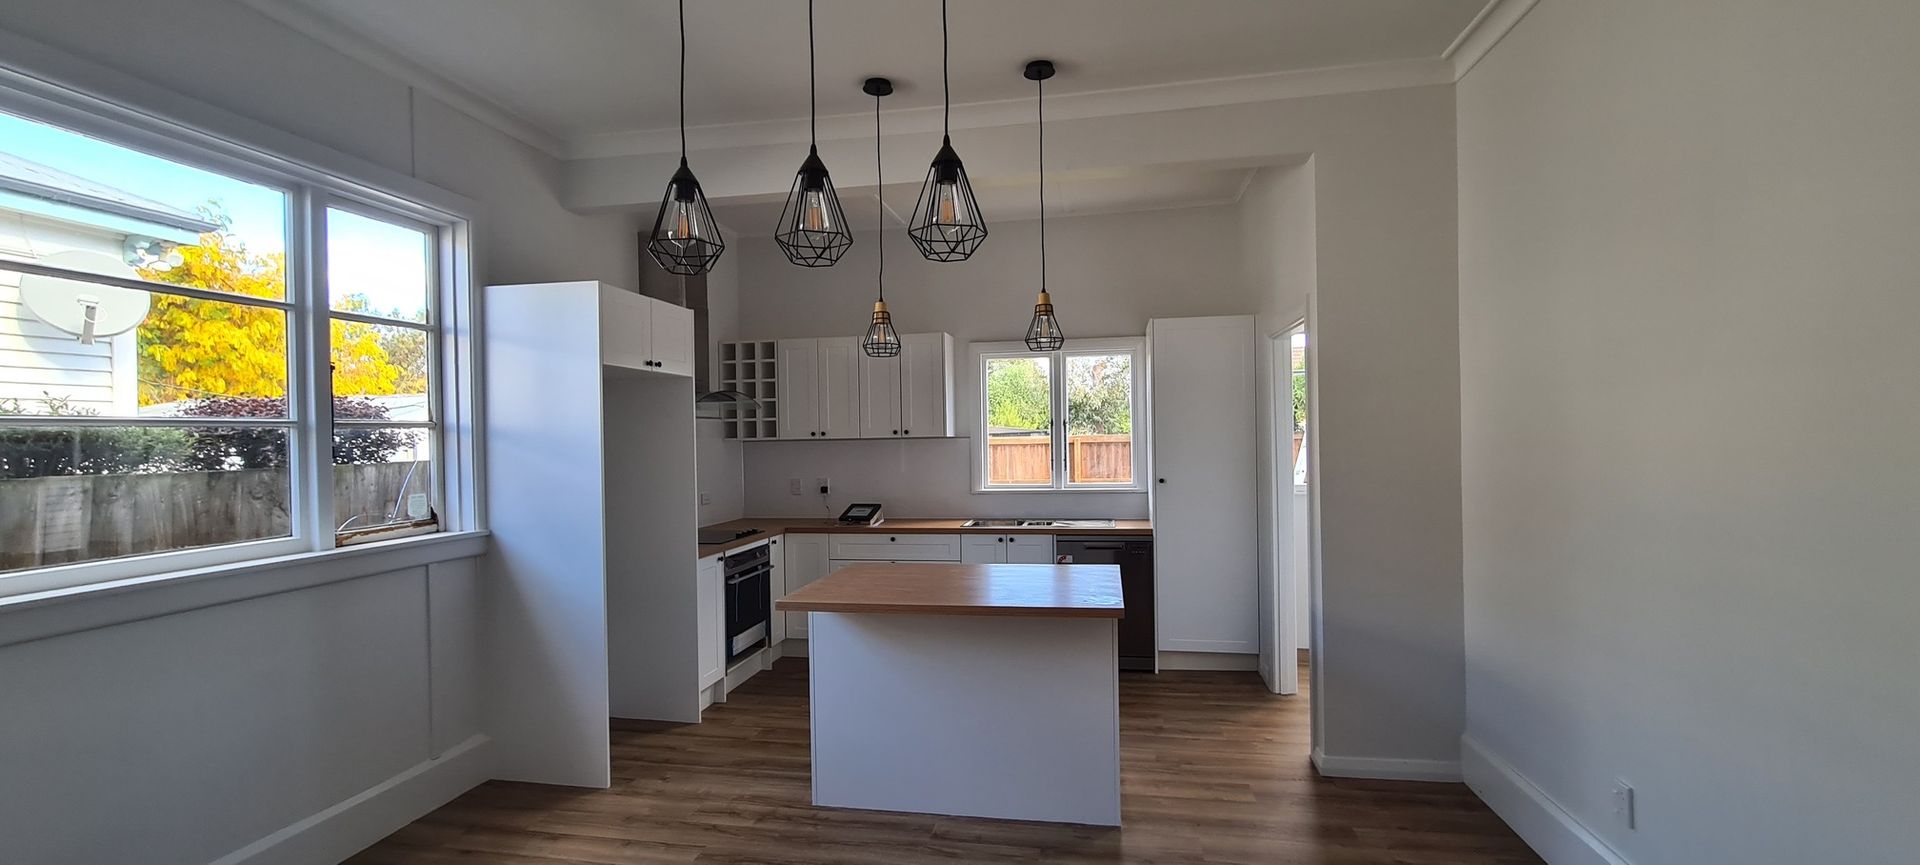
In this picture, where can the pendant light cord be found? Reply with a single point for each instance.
(880, 197)
(946, 86)
(1040, 86)
(683, 80)
(813, 109)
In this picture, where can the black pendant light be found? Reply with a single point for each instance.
(685, 240)
(881, 339)
(813, 229)
(1043, 333)
(947, 225)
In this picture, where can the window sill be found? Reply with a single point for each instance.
(1076, 491)
(39, 615)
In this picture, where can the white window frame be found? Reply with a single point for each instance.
(313, 178)
(982, 352)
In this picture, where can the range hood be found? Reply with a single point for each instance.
(720, 404)
(692, 293)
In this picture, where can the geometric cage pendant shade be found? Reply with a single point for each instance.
(947, 224)
(685, 239)
(813, 229)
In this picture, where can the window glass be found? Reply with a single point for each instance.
(1019, 417)
(63, 194)
(386, 364)
(1099, 391)
(75, 494)
(383, 481)
(378, 268)
(185, 356)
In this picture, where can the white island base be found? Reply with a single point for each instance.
(979, 716)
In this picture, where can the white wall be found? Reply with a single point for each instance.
(1277, 263)
(1109, 274)
(721, 462)
(199, 730)
(1686, 326)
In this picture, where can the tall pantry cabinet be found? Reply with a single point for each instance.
(1203, 498)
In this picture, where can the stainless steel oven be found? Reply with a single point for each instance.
(749, 602)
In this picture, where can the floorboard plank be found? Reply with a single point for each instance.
(1214, 771)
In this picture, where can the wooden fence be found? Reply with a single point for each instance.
(55, 520)
(1091, 459)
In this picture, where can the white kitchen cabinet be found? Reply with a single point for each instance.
(819, 388)
(599, 600)
(909, 395)
(1029, 549)
(640, 332)
(776, 588)
(882, 547)
(983, 549)
(926, 385)
(797, 376)
(839, 392)
(1201, 372)
(805, 560)
(879, 396)
(713, 621)
(1025, 549)
(672, 334)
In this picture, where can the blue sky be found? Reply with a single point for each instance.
(387, 263)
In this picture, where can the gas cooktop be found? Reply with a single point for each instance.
(721, 536)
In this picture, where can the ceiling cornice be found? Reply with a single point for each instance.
(367, 50)
(1266, 87)
(1483, 32)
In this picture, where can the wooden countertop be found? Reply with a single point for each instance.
(785, 525)
(948, 589)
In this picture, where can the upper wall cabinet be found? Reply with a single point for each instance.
(829, 389)
(819, 387)
(911, 395)
(640, 332)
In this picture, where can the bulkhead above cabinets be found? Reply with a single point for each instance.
(826, 388)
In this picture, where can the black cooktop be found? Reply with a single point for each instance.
(721, 536)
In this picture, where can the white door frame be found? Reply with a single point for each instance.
(1280, 616)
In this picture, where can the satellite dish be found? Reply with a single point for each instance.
(85, 309)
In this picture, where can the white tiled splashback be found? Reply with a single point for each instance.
(914, 478)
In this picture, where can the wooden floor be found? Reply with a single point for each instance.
(1214, 770)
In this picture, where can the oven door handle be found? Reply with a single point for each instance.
(734, 581)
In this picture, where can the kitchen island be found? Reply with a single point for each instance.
(980, 690)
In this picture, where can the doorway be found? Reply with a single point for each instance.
(1287, 593)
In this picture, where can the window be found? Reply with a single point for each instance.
(163, 387)
(1060, 420)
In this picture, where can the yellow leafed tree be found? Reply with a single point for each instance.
(190, 347)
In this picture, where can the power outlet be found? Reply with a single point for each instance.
(793, 486)
(1623, 805)
(822, 484)
(706, 498)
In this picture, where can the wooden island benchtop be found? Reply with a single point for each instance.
(950, 589)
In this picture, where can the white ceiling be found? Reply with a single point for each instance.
(576, 68)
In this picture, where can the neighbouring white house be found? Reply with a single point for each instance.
(47, 213)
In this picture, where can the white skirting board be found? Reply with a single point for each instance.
(1385, 768)
(1229, 661)
(1549, 829)
(353, 824)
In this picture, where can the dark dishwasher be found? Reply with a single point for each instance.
(1135, 558)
